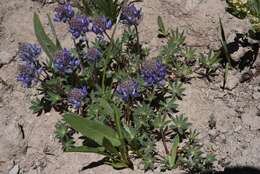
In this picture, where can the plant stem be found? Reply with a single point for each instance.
(81, 60)
(104, 77)
(128, 112)
(164, 141)
(108, 36)
(123, 148)
(138, 42)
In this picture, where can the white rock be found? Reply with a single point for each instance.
(256, 95)
(15, 170)
(5, 57)
(232, 81)
(258, 106)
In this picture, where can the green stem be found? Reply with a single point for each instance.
(164, 141)
(104, 77)
(138, 41)
(123, 148)
(79, 53)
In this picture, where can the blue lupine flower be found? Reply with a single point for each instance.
(28, 74)
(101, 24)
(153, 72)
(78, 26)
(128, 89)
(28, 52)
(76, 96)
(131, 15)
(93, 55)
(63, 13)
(64, 62)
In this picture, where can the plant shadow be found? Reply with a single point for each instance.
(248, 58)
(94, 164)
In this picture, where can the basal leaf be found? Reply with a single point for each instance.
(99, 150)
(92, 129)
(58, 45)
(173, 153)
(46, 43)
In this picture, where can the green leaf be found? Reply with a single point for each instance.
(108, 8)
(162, 30)
(99, 150)
(58, 45)
(173, 153)
(106, 106)
(109, 147)
(37, 106)
(46, 43)
(225, 75)
(92, 129)
(224, 42)
(53, 97)
(119, 165)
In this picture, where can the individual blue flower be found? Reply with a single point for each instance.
(64, 62)
(78, 26)
(93, 55)
(63, 13)
(131, 15)
(28, 52)
(128, 89)
(101, 24)
(75, 97)
(153, 72)
(28, 74)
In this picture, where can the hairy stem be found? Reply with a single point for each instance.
(138, 41)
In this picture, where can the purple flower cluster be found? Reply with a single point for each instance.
(30, 68)
(78, 26)
(128, 89)
(153, 72)
(93, 55)
(101, 24)
(131, 15)
(63, 13)
(64, 62)
(28, 52)
(76, 96)
(28, 73)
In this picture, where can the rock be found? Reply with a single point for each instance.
(15, 170)
(251, 120)
(213, 132)
(236, 56)
(256, 95)
(5, 57)
(232, 81)
(191, 4)
(258, 106)
(238, 129)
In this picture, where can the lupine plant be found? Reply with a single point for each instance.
(115, 99)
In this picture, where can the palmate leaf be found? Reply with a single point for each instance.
(46, 43)
(94, 130)
(173, 153)
(162, 30)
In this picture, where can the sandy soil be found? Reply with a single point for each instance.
(27, 142)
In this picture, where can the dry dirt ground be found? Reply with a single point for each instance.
(27, 143)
